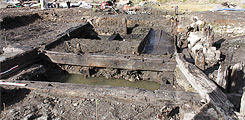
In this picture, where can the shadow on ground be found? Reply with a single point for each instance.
(12, 96)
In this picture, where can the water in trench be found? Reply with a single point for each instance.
(79, 79)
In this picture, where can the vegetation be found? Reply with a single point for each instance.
(212, 1)
(243, 6)
(191, 1)
(189, 7)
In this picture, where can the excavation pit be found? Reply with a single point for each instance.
(130, 59)
(43, 76)
(88, 63)
(83, 51)
(108, 51)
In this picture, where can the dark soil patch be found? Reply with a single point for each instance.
(18, 21)
(12, 96)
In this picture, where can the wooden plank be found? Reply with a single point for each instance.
(165, 43)
(125, 93)
(156, 42)
(242, 109)
(157, 37)
(222, 76)
(130, 62)
(122, 56)
(19, 59)
(124, 23)
(206, 88)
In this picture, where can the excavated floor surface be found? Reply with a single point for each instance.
(99, 46)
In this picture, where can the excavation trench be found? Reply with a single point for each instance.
(81, 55)
(126, 64)
(83, 51)
(109, 68)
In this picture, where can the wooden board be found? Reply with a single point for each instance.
(130, 62)
(207, 89)
(124, 93)
(156, 42)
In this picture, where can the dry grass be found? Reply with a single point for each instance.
(243, 6)
(190, 7)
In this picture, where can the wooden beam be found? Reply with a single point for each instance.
(206, 88)
(156, 42)
(130, 62)
(242, 109)
(22, 60)
(124, 23)
(106, 91)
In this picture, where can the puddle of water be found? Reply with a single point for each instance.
(79, 79)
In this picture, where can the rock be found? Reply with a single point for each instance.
(189, 116)
(56, 101)
(62, 112)
(126, 77)
(133, 106)
(193, 38)
(27, 117)
(42, 118)
(236, 78)
(211, 55)
(131, 79)
(45, 101)
(75, 104)
(197, 47)
(165, 112)
(137, 78)
(15, 114)
(107, 76)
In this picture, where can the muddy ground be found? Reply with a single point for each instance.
(99, 46)
(42, 106)
(60, 101)
(36, 28)
(47, 106)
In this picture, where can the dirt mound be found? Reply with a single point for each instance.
(18, 21)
